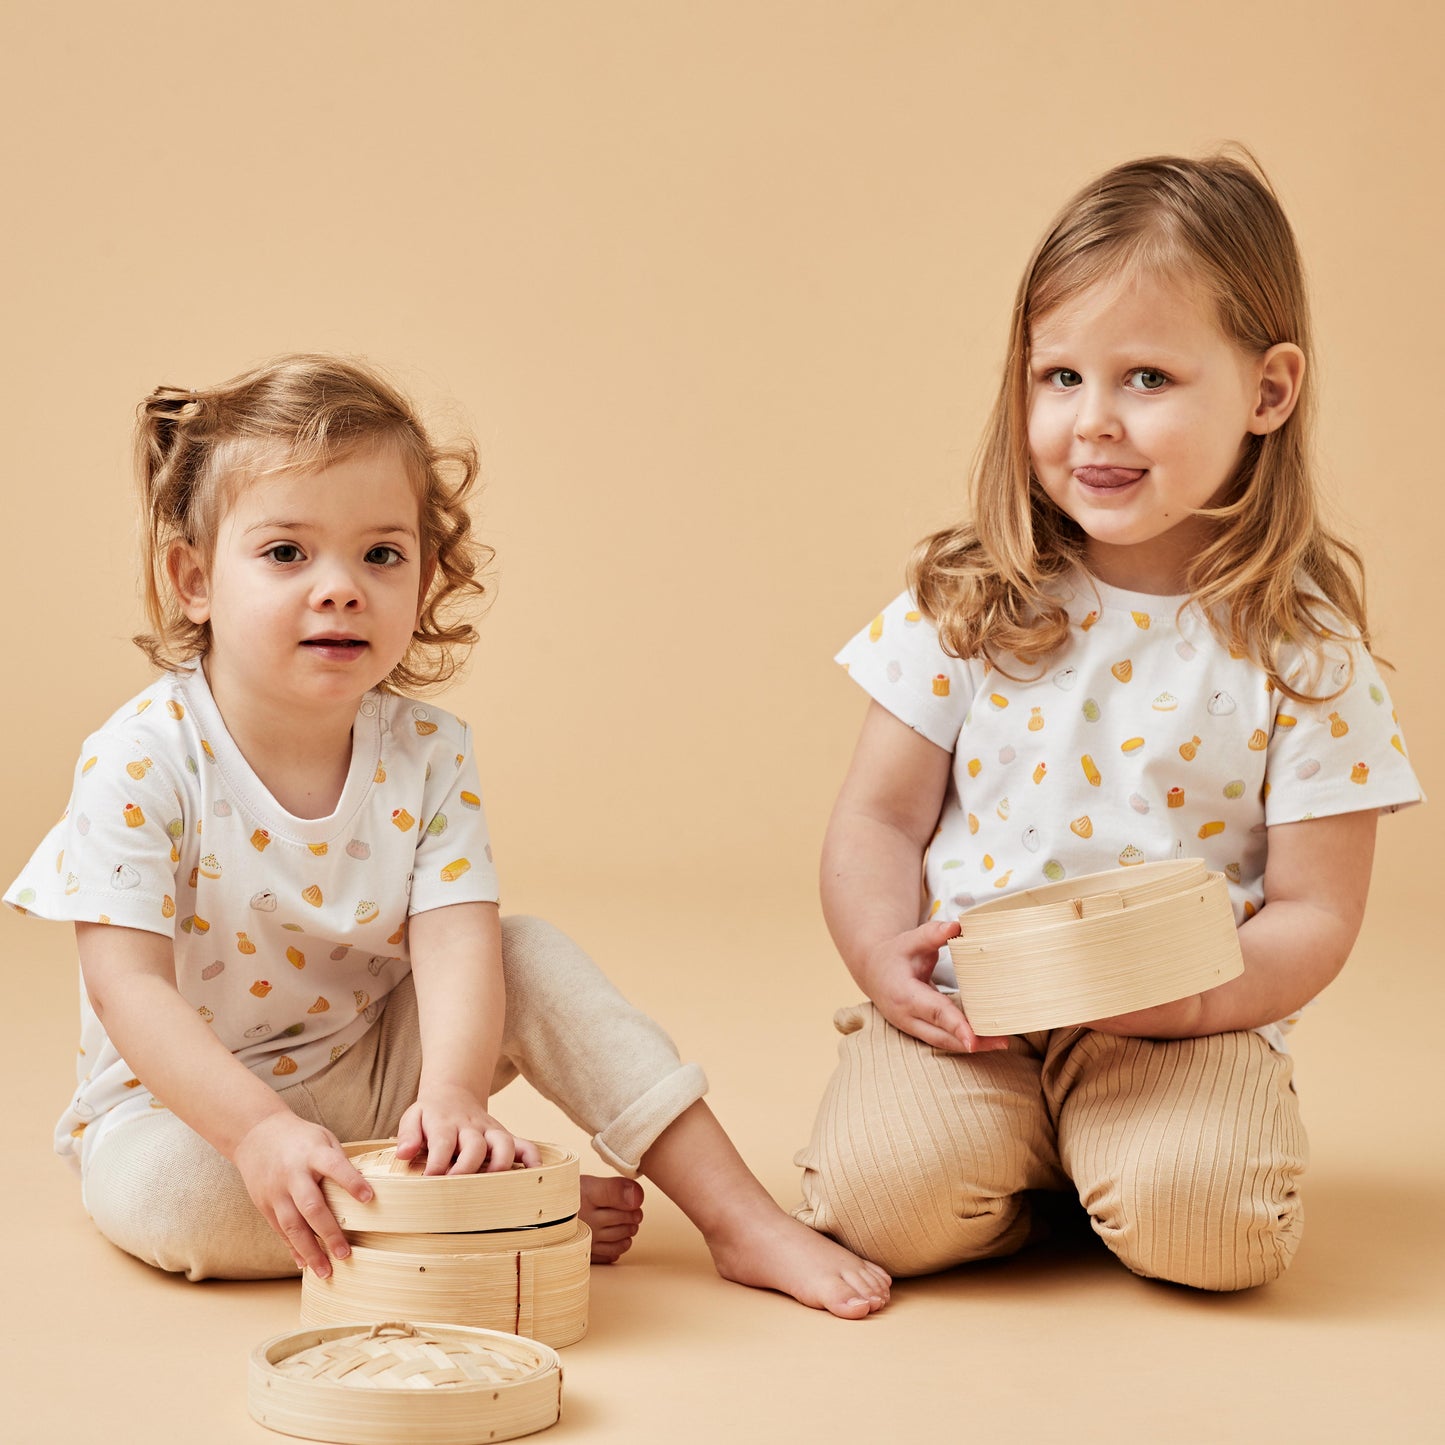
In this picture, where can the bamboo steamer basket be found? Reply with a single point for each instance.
(404, 1384)
(1092, 947)
(540, 1291)
(407, 1201)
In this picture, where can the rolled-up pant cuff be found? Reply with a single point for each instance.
(625, 1141)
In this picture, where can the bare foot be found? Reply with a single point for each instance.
(612, 1210)
(767, 1249)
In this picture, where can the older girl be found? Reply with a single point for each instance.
(1142, 645)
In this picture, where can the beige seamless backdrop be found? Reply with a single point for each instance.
(721, 289)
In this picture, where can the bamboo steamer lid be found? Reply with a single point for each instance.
(1092, 947)
(539, 1291)
(407, 1201)
(404, 1384)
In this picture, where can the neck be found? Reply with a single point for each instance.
(302, 756)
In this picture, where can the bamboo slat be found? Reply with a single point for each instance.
(540, 1291)
(1091, 947)
(404, 1384)
(408, 1201)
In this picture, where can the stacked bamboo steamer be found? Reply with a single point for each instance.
(1096, 946)
(503, 1251)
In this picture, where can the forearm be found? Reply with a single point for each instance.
(180, 1060)
(870, 884)
(461, 996)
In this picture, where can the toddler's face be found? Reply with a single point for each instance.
(314, 588)
(1139, 406)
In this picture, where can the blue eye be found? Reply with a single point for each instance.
(1146, 378)
(284, 553)
(384, 557)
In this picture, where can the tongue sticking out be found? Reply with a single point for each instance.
(1107, 476)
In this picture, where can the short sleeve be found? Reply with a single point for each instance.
(1344, 755)
(454, 853)
(900, 663)
(112, 858)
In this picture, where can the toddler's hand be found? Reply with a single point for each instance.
(458, 1134)
(281, 1160)
(896, 977)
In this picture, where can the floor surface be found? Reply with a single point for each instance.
(1059, 1343)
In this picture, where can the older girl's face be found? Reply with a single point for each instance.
(1139, 407)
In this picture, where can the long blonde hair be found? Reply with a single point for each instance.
(1218, 224)
(194, 449)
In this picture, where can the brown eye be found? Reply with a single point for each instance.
(1146, 378)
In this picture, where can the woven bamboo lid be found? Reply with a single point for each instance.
(404, 1384)
(1092, 947)
(408, 1201)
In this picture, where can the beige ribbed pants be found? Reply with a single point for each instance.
(1184, 1152)
(160, 1192)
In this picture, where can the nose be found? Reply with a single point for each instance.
(336, 590)
(1097, 416)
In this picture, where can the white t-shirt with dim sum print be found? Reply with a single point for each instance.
(288, 932)
(1142, 739)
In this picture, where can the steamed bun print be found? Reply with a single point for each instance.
(356, 848)
(1065, 678)
(372, 1011)
(260, 1031)
(894, 670)
(221, 808)
(1220, 704)
(124, 876)
(376, 963)
(264, 901)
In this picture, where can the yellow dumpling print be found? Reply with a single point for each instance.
(1036, 719)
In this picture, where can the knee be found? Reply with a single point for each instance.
(1219, 1229)
(910, 1217)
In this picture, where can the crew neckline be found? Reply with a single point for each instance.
(248, 789)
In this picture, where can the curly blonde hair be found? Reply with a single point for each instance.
(302, 412)
(1272, 580)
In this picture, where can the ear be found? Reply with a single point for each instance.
(1282, 370)
(188, 579)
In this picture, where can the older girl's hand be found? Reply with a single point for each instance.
(895, 975)
(458, 1134)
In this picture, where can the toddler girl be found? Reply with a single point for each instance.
(282, 884)
(1143, 645)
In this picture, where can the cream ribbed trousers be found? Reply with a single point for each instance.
(1184, 1152)
(160, 1192)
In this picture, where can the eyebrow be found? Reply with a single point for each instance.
(281, 524)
